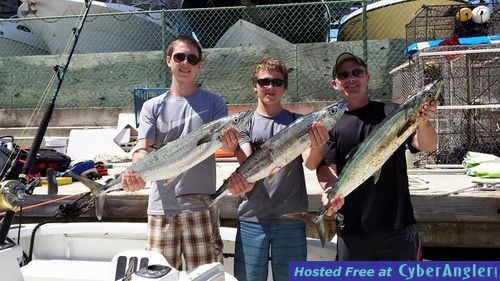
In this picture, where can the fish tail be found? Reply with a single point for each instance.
(320, 227)
(194, 198)
(97, 189)
(319, 221)
(219, 193)
(214, 217)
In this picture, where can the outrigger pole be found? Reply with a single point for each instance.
(12, 192)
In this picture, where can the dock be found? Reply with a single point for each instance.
(464, 218)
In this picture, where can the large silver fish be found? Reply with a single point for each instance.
(279, 150)
(380, 144)
(173, 158)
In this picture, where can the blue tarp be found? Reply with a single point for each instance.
(415, 47)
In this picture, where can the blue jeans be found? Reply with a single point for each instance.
(286, 242)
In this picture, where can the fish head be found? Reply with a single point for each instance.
(432, 91)
(239, 120)
(436, 89)
(330, 114)
(429, 93)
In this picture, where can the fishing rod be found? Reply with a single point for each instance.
(12, 192)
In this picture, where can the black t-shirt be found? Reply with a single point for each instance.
(371, 207)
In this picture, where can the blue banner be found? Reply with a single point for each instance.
(397, 271)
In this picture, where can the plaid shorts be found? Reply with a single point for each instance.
(187, 235)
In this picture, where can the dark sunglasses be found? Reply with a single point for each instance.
(355, 73)
(192, 59)
(266, 82)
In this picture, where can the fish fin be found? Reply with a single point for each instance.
(352, 152)
(205, 139)
(269, 179)
(298, 216)
(405, 126)
(194, 198)
(157, 146)
(97, 189)
(376, 175)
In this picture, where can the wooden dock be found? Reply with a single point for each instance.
(468, 218)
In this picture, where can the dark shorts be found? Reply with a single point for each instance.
(387, 245)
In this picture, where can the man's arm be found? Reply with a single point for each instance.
(237, 183)
(425, 138)
(318, 134)
(132, 181)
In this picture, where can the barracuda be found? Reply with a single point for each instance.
(381, 143)
(173, 158)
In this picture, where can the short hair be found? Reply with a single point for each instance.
(271, 64)
(186, 39)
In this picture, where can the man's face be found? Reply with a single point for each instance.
(270, 86)
(181, 62)
(351, 80)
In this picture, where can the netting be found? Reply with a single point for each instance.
(122, 49)
(468, 118)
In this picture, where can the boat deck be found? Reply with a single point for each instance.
(466, 218)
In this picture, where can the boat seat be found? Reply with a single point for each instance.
(137, 259)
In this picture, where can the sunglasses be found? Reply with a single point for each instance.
(355, 73)
(192, 59)
(265, 82)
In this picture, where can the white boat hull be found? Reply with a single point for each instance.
(85, 251)
(114, 33)
(17, 39)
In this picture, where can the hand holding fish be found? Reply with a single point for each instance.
(429, 110)
(426, 137)
(318, 134)
(230, 139)
(334, 204)
(132, 181)
(237, 184)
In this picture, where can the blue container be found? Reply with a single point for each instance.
(141, 95)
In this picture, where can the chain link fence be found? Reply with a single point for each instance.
(120, 51)
(469, 115)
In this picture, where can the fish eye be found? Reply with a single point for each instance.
(333, 110)
(236, 120)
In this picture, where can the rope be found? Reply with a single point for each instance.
(418, 187)
(440, 194)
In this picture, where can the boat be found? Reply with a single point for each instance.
(244, 33)
(102, 251)
(392, 14)
(17, 39)
(134, 29)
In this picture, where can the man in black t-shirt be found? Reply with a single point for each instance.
(378, 218)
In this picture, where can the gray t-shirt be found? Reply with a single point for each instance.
(166, 118)
(286, 192)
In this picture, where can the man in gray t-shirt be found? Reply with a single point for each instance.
(181, 228)
(261, 232)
